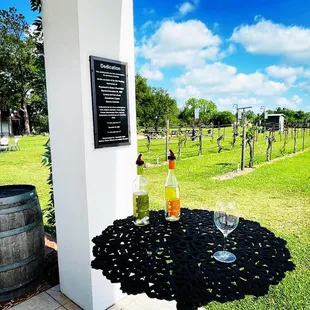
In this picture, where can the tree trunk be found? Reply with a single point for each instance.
(26, 119)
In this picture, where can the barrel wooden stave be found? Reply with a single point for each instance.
(12, 251)
(21, 240)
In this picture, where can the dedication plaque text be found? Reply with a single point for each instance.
(110, 102)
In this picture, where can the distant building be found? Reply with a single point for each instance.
(275, 121)
(10, 123)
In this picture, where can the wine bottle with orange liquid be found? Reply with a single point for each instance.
(172, 192)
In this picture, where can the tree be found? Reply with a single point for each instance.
(206, 109)
(143, 101)
(153, 105)
(250, 116)
(17, 63)
(39, 111)
(223, 118)
(163, 108)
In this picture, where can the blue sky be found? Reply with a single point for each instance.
(241, 52)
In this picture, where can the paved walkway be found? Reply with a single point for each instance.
(53, 299)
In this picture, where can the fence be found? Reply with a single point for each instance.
(259, 144)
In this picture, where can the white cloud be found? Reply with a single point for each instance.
(190, 34)
(186, 44)
(209, 75)
(250, 101)
(290, 104)
(186, 8)
(284, 71)
(266, 37)
(288, 74)
(228, 51)
(216, 26)
(296, 99)
(305, 86)
(146, 25)
(307, 73)
(187, 92)
(258, 18)
(151, 73)
(227, 103)
(285, 103)
(219, 78)
(149, 11)
(289, 81)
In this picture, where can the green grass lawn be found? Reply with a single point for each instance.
(24, 166)
(276, 194)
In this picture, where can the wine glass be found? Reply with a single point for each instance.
(226, 220)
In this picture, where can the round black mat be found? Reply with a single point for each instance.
(174, 261)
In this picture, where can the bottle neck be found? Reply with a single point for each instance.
(140, 170)
(171, 178)
(171, 172)
(171, 164)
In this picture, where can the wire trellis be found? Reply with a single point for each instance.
(197, 141)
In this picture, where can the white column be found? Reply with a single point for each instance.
(92, 187)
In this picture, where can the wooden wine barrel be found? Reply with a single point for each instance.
(21, 240)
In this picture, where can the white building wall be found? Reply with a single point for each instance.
(5, 128)
(281, 123)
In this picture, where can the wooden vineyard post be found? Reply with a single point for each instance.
(295, 139)
(303, 138)
(243, 143)
(253, 143)
(200, 141)
(179, 147)
(244, 123)
(219, 143)
(180, 141)
(148, 144)
(270, 140)
(218, 130)
(282, 150)
(167, 139)
(235, 134)
(250, 138)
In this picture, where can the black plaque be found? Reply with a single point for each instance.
(110, 102)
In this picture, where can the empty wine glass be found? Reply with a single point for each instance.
(226, 220)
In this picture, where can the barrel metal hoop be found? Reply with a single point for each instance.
(19, 208)
(23, 262)
(17, 198)
(16, 286)
(20, 230)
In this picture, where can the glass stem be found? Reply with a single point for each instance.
(224, 247)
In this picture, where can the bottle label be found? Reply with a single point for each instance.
(141, 206)
(173, 207)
